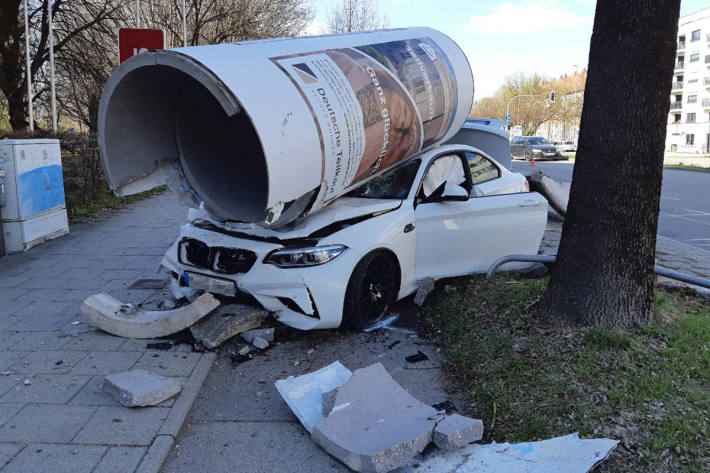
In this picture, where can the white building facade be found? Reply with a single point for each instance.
(688, 128)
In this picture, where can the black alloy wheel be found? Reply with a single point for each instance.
(372, 289)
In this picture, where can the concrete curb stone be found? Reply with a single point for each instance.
(165, 438)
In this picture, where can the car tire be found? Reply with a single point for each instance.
(373, 287)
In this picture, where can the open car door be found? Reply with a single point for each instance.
(465, 235)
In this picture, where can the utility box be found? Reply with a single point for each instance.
(34, 209)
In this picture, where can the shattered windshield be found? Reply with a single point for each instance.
(393, 184)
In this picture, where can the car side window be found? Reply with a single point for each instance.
(517, 141)
(482, 168)
(445, 169)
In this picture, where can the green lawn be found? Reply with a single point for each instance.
(531, 378)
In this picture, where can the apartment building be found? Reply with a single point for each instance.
(688, 128)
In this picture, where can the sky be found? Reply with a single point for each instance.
(502, 37)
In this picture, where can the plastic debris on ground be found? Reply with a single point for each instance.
(566, 454)
(388, 324)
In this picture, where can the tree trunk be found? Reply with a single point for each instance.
(604, 270)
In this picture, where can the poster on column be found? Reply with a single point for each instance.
(373, 105)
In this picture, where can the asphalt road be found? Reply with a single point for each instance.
(685, 200)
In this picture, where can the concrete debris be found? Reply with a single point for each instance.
(226, 322)
(455, 431)
(310, 351)
(566, 454)
(139, 388)
(260, 343)
(27, 382)
(266, 334)
(244, 349)
(375, 425)
(556, 193)
(424, 287)
(125, 320)
(329, 402)
(304, 394)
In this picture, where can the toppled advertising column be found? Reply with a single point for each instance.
(268, 131)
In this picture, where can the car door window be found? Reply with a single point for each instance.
(482, 168)
(445, 169)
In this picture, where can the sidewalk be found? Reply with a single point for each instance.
(53, 415)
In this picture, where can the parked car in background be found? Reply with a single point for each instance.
(533, 147)
(566, 146)
(449, 211)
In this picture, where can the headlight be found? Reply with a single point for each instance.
(535, 150)
(302, 257)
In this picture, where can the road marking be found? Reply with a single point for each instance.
(688, 219)
(669, 198)
(697, 212)
(699, 239)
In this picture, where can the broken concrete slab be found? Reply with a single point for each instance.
(125, 320)
(566, 454)
(455, 431)
(226, 322)
(139, 388)
(263, 333)
(304, 394)
(375, 425)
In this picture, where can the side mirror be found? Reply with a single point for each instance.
(454, 192)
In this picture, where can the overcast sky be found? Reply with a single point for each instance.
(503, 37)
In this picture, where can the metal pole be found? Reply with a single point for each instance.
(29, 72)
(138, 16)
(518, 120)
(574, 109)
(507, 107)
(51, 68)
(184, 25)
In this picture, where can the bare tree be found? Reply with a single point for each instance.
(12, 51)
(223, 21)
(356, 15)
(604, 270)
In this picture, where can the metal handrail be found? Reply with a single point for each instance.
(668, 273)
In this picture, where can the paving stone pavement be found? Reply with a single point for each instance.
(53, 415)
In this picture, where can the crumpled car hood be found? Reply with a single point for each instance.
(342, 210)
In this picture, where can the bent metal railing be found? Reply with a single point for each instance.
(548, 259)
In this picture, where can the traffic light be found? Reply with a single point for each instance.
(552, 96)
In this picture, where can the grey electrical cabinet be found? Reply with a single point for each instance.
(34, 209)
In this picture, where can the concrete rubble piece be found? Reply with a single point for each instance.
(125, 320)
(226, 322)
(456, 431)
(375, 425)
(266, 334)
(138, 388)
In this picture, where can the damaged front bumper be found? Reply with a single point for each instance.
(305, 298)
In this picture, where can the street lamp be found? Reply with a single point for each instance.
(53, 95)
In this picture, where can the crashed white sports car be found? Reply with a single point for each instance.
(449, 211)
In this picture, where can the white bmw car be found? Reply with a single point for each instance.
(449, 211)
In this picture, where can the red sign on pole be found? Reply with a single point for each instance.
(132, 41)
